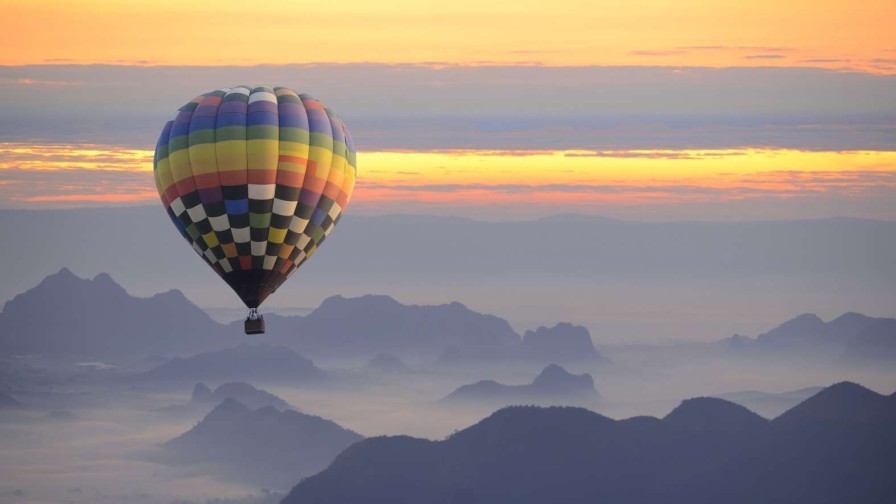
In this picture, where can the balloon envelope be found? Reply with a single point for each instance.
(255, 179)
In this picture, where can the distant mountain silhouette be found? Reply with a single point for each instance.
(419, 255)
(379, 324)
(201, 394)
(387, 363)
(846, 403)
(376, 324)
(68, 315)
(243, 362)
(708, 414)
(562, 343)
(243, 392)
(263, 446)
(553, 386)
(876, 344)
(808, 335)
(8, 402)
(770, 404)
(705, 451)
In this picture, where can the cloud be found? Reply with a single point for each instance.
(63, 157)
(508, 182)
(25, 81)
(823, 60)
(663, 52)
(416, 106)
(787, 183)
(657, 154)
(51, 188)
(735, 48)
(763, 56)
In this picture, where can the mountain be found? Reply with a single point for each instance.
(770, 404)
(68, 315)
(805, 334)
(562, 343)
(243, 392)
(8, 402)
(842, 403)
(709, 414)
(874, 345)
(261, 446)
(808, 335)
(387, 363)
(705, 451)
(242, 362)
(554, 385)
(376, 324)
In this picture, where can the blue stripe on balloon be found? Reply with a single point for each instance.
(317, 125)
(203, 122)
(230, 107)
(181, 125)
(338, 134)
(225, 120)
(293, 121)
(262, 119)
(163, 138)
(235, 207)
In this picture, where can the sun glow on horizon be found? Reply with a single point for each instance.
(43, 175)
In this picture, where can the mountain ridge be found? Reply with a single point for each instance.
(264, 446)
(553, 386)
(523, 454)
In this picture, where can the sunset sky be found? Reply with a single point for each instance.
(651, 110)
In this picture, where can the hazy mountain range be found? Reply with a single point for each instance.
(8, 402)
(562, 343)
(553, 386)
(97, 318)
(244, 393)
(242, 362)
(68, 315)
(837, 446)
(373, 324)
(852, 336)
(263, 446)
(592, 273)
(387, 363)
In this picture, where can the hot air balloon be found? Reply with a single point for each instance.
(255, 179)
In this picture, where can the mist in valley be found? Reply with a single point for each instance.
(137, 395)
(91, 432)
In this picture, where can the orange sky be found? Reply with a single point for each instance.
(825, 33)
(540, 182)
(820, 33)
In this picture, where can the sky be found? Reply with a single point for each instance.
(512, 110)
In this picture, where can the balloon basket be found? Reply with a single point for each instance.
(254, 324)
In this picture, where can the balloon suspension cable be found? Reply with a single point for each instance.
(253, 314)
